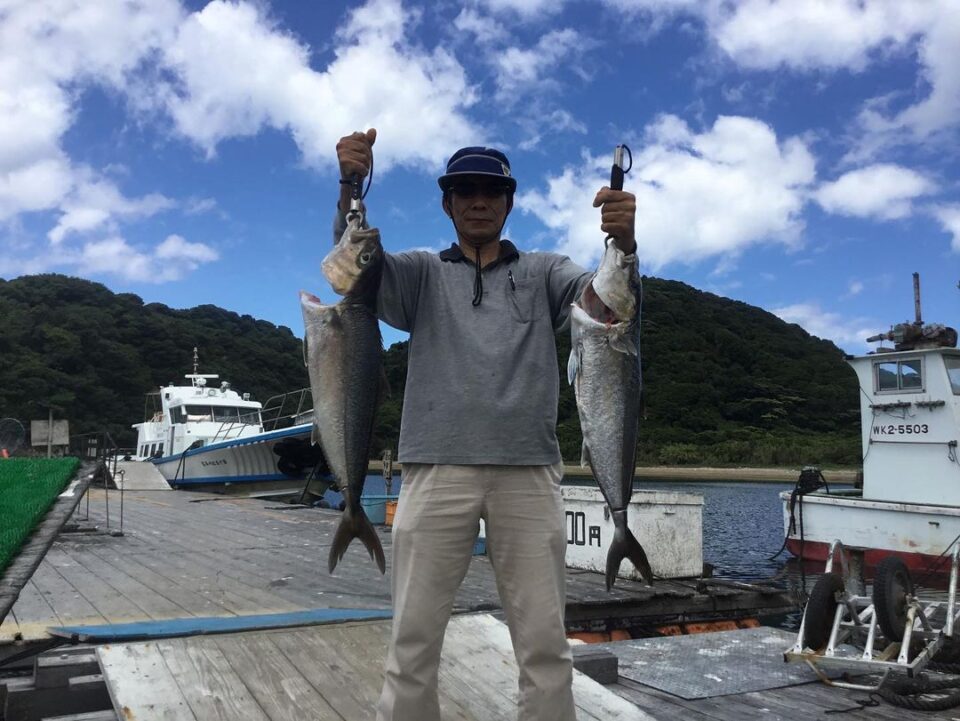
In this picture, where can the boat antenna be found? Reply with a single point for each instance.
(196, 359)
(916, 298)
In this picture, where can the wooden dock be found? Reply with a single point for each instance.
(195, 556)
(189, 554)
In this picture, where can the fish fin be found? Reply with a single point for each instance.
(356, 525)
(623, 343)
(625, 545)
(573, 365)
(584, 455)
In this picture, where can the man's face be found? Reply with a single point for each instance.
(478, 207)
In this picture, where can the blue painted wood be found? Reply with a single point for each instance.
(175, 627)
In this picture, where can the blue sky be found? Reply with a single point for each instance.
(798, 155)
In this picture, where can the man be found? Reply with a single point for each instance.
(477, 437)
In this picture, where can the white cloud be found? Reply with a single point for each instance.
(698, 195)
(850, 333)
(222, 72)
(526, 9)
(173, 259)
(807, 35)
(854, 288)
(94, 203)
(237, 73)
(520, 69)
(485, 28)
(949, 217)
(880, 191)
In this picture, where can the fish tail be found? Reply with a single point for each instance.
(355, 524)
(625, 545)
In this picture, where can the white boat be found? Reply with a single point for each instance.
(909, 503)
(207, 437)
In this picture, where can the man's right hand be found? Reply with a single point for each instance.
(355, 156)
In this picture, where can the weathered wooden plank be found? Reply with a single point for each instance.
(100, 595)
(277, 685)
(192, 603)
(64, 600)
(149, 601)
(213, 690)
(141, 684)
(593, 700)
(322, 666)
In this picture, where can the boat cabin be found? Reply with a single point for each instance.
(910, 416)
(192, 416)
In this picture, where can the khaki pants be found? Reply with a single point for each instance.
(436, 523)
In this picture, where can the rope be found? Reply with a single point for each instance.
(921, 694)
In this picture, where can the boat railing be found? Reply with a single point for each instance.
(229, 430)
(287, 409)
(99, 446)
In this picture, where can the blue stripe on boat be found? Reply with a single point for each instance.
(119, 632)
(302, 429)
(234, 479)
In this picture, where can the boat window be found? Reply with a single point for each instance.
(886, 376)
(223, 414)
(178, 414)
(902, 375)
(953, 371)
(160, 449)
(197, 414)
(910, 374)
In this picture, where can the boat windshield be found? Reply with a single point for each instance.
(953, 370)
(217, 414)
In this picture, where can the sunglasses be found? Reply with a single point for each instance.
(487, 190)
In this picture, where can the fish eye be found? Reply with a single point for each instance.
(365, 257)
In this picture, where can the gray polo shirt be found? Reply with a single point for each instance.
(482, 381)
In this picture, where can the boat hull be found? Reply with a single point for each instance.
(245, 465)
(918, 533)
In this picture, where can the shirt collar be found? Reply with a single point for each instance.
(454, 254)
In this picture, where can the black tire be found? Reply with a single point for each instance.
(891, 584)
(821, 609)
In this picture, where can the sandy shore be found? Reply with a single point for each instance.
(684, 473)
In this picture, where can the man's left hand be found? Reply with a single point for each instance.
(618, 213)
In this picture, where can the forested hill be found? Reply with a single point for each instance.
(725, 382)
(95, 354)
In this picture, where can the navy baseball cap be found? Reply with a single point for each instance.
(476, 160)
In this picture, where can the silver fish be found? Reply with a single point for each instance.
(342, 352)
(604, 369)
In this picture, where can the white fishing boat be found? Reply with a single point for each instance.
(909, 503)
(204, 436)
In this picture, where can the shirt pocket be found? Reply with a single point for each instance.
(527, 299)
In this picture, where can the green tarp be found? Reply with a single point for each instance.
(28, 487)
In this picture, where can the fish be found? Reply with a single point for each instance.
(604, 370)
(343, 353)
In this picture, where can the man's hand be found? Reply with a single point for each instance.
(618, 213)
(355, 156)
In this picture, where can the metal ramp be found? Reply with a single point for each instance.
(323, 672)
(139, 476)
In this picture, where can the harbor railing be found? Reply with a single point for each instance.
(100, 447)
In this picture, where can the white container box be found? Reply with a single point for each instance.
(668, 525)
